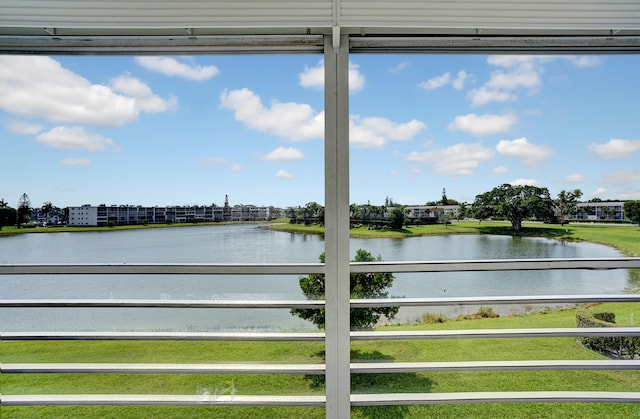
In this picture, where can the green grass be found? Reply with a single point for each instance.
(625, 238)
(362, 351)
(12, 230)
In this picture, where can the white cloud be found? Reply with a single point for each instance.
(235, 168)
(39, 86)
(629, 194)
(293, 121)
(172, 67)
(600, 192)
(574, 178)
(145, 99)
(76, 138)
(483, 124)
(313, 77)
(376, 131)
(356, 79)
(525, 182)
(515, 72)
(615, 148)
(483, 95)
(390, 129)
(362, 137)
(457, 160)
(521, 148)
(622, 177)
(23, 128)
(71, 161)
(445, 79)
(400, 67)
(500, 170)
(459, 82)
(585, 61)
(282, 154)
(299, 122)
(283, 174)
(436, 82)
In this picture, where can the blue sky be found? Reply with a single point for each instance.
(189, 130)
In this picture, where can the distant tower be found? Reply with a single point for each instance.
(444, 197)
(226, 201)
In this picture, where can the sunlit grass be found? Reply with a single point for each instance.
(310, 352)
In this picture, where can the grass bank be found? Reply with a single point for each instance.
(12, 230)
(625, 238)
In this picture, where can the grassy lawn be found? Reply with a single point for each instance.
(275, 352)
(625, 238)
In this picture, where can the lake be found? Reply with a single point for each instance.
(246, 243)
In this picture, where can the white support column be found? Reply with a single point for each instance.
(337, 323)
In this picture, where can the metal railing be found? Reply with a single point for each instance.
(318, 369)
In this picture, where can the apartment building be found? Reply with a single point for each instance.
(103, 215)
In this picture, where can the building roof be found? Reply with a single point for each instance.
(53, 25)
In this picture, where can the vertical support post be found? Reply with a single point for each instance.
(336, 172)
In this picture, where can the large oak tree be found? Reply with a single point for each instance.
(515, 203)
(632, 211)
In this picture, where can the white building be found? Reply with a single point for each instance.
(83, 216)
(600, 211)
(102, 215)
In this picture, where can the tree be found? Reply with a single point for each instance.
(567, 203)
(463, 211)
(514, 203)
(24, 210)
(362, 285)
(8, 215)
(444, 199)
(47, 208)
(632, 211)
(397, 218)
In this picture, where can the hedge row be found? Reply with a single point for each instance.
(619, 347)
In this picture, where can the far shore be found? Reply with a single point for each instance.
(625, 238)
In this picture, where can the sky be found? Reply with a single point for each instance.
(163, 131)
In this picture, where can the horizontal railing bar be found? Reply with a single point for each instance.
(525, 299)
(356, 368)
(494, 44)
(498, 333)
(496, 265)
(319, 336)
(164, 45)
(131, 368)
(165, 336)
(377, 399)
(316, 304)
(135, 303)
(471, 366)
(162, 269)
(156, 400)
(307, 268)
(494, 397)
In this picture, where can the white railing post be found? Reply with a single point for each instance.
(337, 324)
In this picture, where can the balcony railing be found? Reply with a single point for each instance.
(355, 368)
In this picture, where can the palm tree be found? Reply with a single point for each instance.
(47, 207)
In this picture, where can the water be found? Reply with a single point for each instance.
(251, 244)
